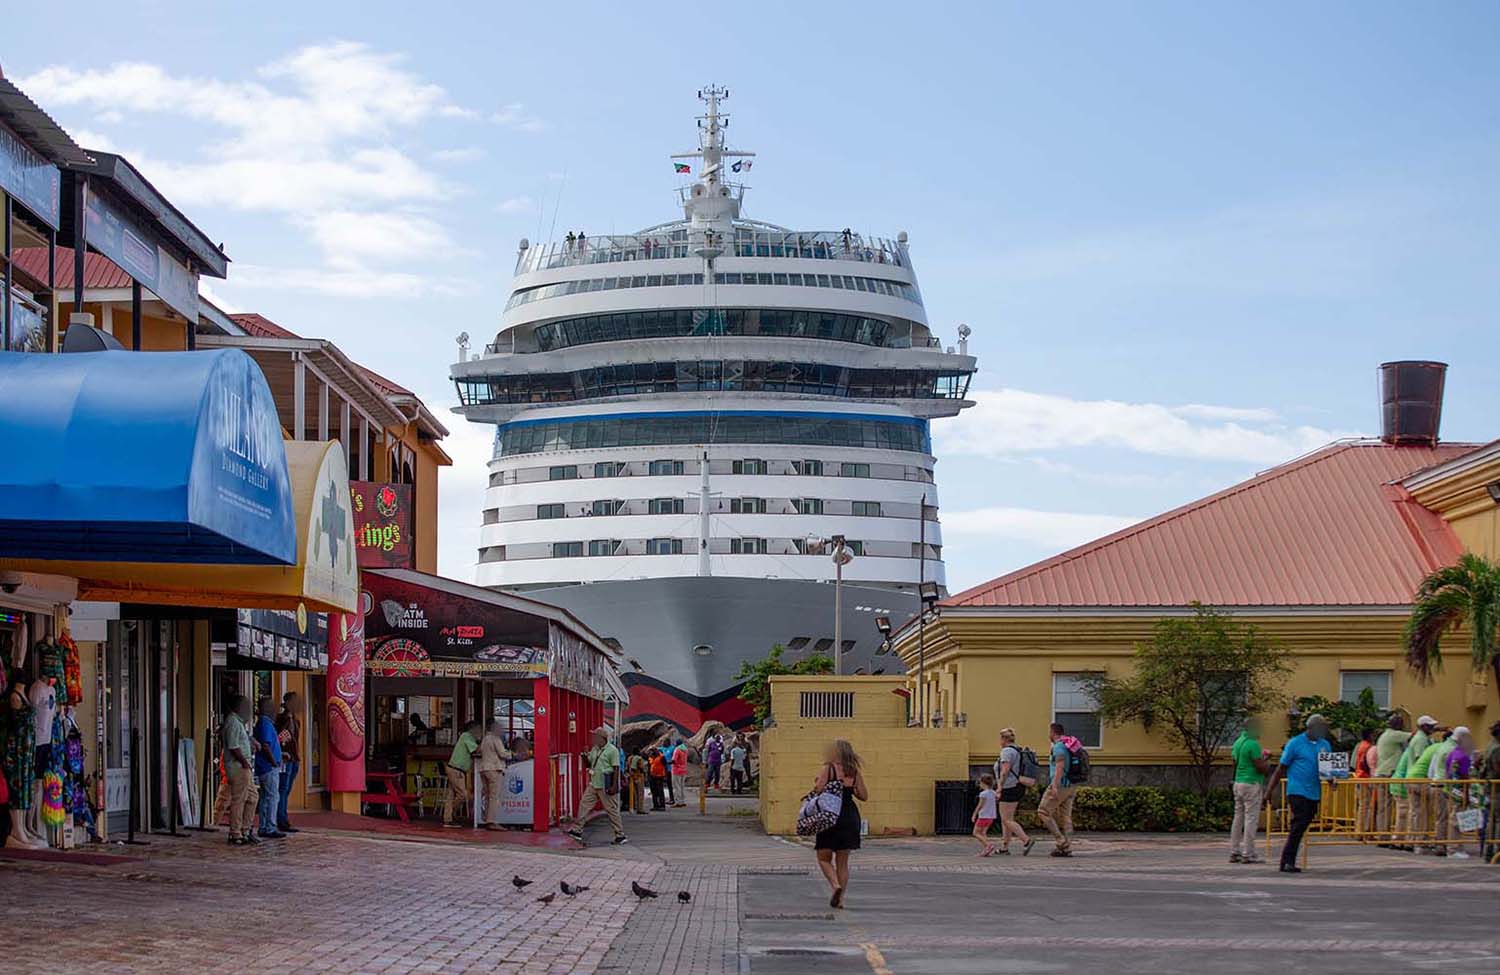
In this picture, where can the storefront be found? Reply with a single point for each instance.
(158, 484)
(439, 653)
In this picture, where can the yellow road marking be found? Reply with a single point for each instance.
(875, 958)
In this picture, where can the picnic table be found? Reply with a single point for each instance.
(384, 789)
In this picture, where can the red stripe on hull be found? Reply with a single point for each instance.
(653, 702)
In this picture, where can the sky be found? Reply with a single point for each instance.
(1184, 234)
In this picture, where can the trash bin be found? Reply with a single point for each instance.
(951, 806)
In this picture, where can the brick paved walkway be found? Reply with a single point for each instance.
(700, 938)
(318, 902)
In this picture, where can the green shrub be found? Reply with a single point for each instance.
(1141, 809)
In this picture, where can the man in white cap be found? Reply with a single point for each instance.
(1304, 788)
(603, 787)
(1416, 791)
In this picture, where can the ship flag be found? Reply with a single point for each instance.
(681, 168)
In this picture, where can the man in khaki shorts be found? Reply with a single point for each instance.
(1056, 808)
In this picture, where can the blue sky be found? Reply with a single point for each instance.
(1184, 234)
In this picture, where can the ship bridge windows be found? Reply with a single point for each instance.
(832, 430)
(681, 322)
(697, 375)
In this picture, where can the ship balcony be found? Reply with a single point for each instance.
(832, 245)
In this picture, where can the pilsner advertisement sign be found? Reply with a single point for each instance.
(382, 524)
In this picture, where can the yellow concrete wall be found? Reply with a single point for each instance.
(900, 763)
(1004, 669)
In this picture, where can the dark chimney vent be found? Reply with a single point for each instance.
(1411, 401)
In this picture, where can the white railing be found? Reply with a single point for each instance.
(837, 245)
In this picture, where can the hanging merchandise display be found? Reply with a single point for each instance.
(53, 810)
(72, 669)
(20, 747)
(50, 660)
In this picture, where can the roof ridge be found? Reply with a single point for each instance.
(1270, 475)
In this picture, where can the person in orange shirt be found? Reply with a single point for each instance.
(1364, 799)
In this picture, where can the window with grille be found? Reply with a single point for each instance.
(825, 704)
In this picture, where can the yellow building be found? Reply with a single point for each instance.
(901, 763)
(1323, 553)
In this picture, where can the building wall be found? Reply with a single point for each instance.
(901, 764)
(999, 671)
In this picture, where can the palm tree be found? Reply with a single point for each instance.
(1467, 592)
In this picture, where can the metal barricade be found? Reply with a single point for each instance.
(1414, 815)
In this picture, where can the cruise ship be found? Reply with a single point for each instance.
(703, 426)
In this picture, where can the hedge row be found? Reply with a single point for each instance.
(1141, 809)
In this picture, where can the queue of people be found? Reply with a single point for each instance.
(258, 766)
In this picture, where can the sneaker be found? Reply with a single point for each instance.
(273, 835)
(619, 841)
(1026, 847)
(289, 829)
(453, 826)
(1236, 858)
(1458, 855)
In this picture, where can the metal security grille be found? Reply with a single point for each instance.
(825, 704)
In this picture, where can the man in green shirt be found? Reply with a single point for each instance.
(459, 764)
(1388, 749)
(603, 789)
(239, 766)
(1437, 778)
(1416, 797)
(1418, 766)
(1250, 767)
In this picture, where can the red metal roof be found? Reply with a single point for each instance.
(98, 270)
(1328, 529)
(384, 383)
(262, 327)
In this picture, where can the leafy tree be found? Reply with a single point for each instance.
(1467, 592)
(1198, 677)
(757, 674)
(1348, 719)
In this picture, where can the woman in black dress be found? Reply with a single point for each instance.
(834, 843)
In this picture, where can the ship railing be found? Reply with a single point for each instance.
(835, 245)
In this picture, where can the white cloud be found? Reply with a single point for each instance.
(515, 116)
(517, 204)
(463, 154)
(314, 137)
(1059, 530)
(1011, 421)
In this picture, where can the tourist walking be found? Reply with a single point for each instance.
(679, 773)
(1056, 807)
(713, 757)
(841, 765)
(985, 814)
(1304, 788)
(239, 762)
(1011, 775)
(267, 769)
(1251, 763)
(657, 766)
(603, 789)
(493, 757)
(460, 763)
(739, 766)
(289, 733)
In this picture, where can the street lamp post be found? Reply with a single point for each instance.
(841, 557)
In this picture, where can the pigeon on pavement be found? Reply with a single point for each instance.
(520, 884)
(683, 897)
(546, 898)
(641, 892)
(570, 890)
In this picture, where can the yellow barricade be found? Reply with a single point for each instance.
(1426, 815)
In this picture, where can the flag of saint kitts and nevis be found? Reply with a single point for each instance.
(681, 168)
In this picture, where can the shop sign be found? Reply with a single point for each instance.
(518, 796)
(25, 175)
(416, 631)
(28, 326)
(113, 232)
(382, 524)
(288, 639)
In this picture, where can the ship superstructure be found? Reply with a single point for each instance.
(687, 415)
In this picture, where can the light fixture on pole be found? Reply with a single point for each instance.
(883, 624)
(839, 552)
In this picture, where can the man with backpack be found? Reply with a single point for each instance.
(1067, 769)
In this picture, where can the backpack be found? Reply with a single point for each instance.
(1027, 770)
(1078, 766)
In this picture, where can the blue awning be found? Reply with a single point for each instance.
(142, 457)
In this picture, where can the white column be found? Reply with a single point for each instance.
(299, 397)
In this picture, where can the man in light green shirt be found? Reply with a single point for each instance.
(1416, 792)
(603, 789)
(1418, 769)
(459, 764)
(1442, 807)
(1250, 766)
(239, 771)
(1388, 750)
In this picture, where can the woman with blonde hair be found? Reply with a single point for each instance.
(841, 765)
(1009, 773)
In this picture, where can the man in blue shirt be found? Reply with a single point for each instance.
(1304, 789)
(268, 768)
(1055, 809)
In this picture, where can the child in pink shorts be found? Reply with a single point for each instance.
(984, 814)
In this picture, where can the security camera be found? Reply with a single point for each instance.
(10, 582)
